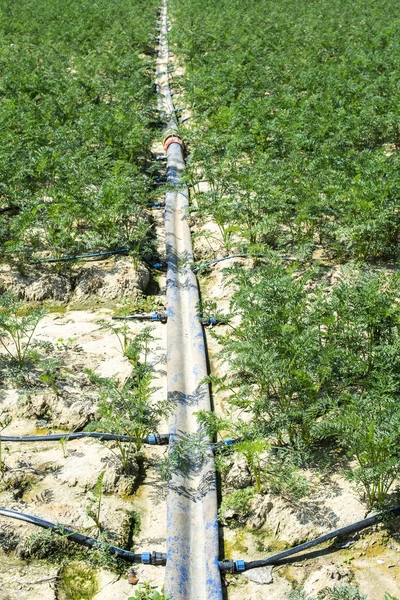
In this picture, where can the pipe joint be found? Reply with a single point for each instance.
(172, 138)
(153, 558)
(227, 566)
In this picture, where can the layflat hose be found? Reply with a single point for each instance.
(84, 540)
(192, 571)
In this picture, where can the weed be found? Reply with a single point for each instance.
(4, 422)
(238, 504)
(17, 325)
(147, 592)
(77, 581)
(93, 510)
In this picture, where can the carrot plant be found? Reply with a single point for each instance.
(75, 92)
(309, 364)
(18, 323)
(295, 122)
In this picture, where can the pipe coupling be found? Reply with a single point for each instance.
(172, 138)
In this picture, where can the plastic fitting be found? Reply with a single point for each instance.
(155, 204)
(210, 321)
(160, 266)
(227, 566)
(154, 558)
(146, 558)
(158, 558)
(240, 566)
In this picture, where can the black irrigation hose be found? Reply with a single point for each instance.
(217, 260)
(155, 558)
(237, 566)
(74, 257)
(157, 439)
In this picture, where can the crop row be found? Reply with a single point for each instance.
(296, 131)
(75, 109)
(296, 124)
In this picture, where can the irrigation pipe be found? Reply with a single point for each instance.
(237, 566)
(75, 257)
(157, 439)
(192, 529)
(159, 265)
(163, 317)
(153, 558)
(218, 260)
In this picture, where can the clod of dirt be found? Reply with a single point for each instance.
(328, 576)
(110, 283)
(132, 578)
(239, 476)
(261, 506)
(262, 575)
(64, 411)
(38, 287)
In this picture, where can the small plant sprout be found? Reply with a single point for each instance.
(63, 443)
(18, 324)
(4, 422)
(94, 509)
(147, 592)
(51, 368)
(253, 451)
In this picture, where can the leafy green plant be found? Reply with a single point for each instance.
(18, 324)
(51, 368)
(253, 451)
(78, 128)
(309, 365)
(63, 444)
(239, 503)
(93, 510)
(127, 408)
(4, 422)
(294, 126)
(147, 592)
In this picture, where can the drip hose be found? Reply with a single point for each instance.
(160, 266)
(218, 260)
(237, 566)
(157, 439)
(163, 317)
(90, 255)
(154, 558)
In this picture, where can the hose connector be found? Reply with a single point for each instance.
(210, 321)
(240, 566)
(227, 566)
(159, 558)
(154, 558)
(156, 204)
(162, 317)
